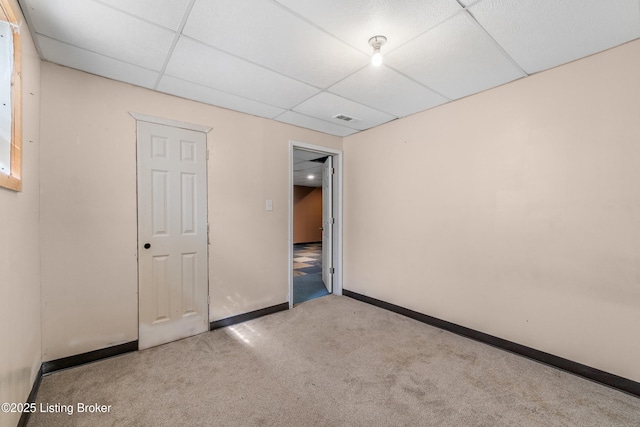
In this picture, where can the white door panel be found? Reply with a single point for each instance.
(327, 224)
(172, 221)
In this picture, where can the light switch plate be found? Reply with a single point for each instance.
(269, 205)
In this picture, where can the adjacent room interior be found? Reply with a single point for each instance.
(307, 226)
(488, 186)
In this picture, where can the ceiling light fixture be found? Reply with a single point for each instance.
(376, 42)
(310, 177)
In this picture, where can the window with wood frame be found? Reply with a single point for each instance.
(10, 100)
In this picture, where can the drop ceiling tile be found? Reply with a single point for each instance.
(302, 177)
(467, 3)
(540, 34)
(197, 63)
(303, 171)
(264, 32)
(305, 156)
(207, 95)
(90, 62)
(101, 29)
(456, 59)
(325, 105)
(386, 90)
(306, 166)
(305, 182)
(301, 120)
(357, 21)
(167, 13)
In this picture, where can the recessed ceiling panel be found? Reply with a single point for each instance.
(357, 21)
(168, 13)
(80, 59)
(301, 120)
(306, 62)
(207, 95)
(388, 91)
(467, 3)
(197, 63)
(101, 29)
(325, 106)
(261, 31)
(303, 156)
(456, 59)
(302, 177)
(303, 167)
(306, 166)
(540, 34)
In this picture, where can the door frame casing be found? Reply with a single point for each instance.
(337, 209)
(328, 219)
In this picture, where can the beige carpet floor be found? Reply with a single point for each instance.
(332, 361)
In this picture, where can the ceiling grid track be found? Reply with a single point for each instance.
(417, 36)
(302, 18)
(495, 43)
(27, 18)
(348, 130)
(183, 22)
(421, 84)
(257, 64)
(317, 118)
(96, 53)
(131, 14)
(229, 93)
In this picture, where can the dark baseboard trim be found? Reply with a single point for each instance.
(602, 377)
(217, 324)
(92, 356)
(24, 418)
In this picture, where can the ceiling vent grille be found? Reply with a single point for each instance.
(345, 118)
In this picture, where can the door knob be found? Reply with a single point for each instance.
(147, 245)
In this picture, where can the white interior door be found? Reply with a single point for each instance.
(327, 224)
(172, 234)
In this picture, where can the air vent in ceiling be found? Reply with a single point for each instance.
(345, 118)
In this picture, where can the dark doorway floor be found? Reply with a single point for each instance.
(307, 272)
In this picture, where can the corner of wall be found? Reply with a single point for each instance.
(21, 343)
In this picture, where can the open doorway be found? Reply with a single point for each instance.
(314, 222)
(309, 242)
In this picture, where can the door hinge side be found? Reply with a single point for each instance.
(332, 270)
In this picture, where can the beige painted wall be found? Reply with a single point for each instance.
(515, 212)
(307, 214)
(20, 251)
(89, 248)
